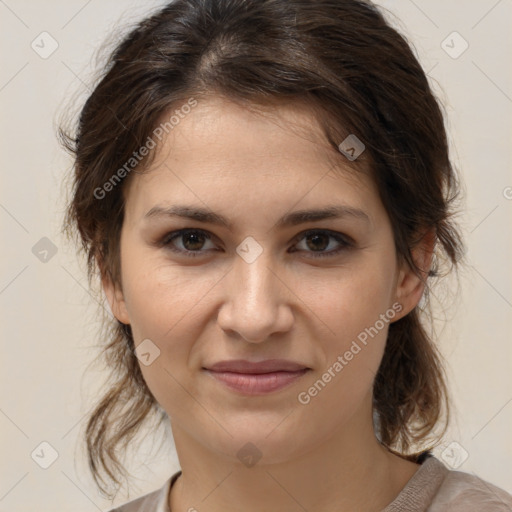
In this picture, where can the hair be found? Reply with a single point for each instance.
(360, 76)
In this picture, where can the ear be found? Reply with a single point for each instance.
(409, 286)
(115, 298)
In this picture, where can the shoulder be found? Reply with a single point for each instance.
(435, 488)
(465, 492)
(156, 501)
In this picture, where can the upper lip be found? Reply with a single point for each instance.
(267, 366)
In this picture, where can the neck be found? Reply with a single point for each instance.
(348, 471)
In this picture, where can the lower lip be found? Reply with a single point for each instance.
(257, 383)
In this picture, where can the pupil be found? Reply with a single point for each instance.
(194, 237)
(316, 237)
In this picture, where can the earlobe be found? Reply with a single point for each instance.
(410, 286)
(115, 299)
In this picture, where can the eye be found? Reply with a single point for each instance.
(193, 240)
(318, 240)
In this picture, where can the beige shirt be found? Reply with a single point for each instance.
(433, 488)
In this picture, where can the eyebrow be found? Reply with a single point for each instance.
(290, 219)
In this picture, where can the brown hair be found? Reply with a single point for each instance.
(361, 77)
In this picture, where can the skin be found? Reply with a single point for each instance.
(253, 169)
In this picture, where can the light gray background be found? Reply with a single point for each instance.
(48, 319)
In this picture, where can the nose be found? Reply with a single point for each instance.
(256, 301)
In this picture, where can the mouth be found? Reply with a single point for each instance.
(256, 378)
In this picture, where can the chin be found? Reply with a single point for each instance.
(259, 444)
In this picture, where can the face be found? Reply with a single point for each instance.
(317, 292)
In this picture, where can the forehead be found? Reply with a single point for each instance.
(235, 130)
(224, 152)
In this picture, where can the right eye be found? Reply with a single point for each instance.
(191, 239)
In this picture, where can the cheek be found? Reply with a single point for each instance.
(355, 312)
(348, 301)
(351, 348)
(163, 306)
(166, 305)
(161, 298)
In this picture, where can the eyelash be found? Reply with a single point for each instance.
(345, 241)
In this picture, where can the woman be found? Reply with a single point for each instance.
(265, 191)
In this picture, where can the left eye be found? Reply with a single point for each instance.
(193, 240)
(319, 241)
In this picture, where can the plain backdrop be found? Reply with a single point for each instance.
(49, 319)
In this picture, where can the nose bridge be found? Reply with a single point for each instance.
(254, 301)
(253, 281)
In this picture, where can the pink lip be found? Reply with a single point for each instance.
(257, 378)
(243, 366)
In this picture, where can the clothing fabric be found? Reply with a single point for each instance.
(433, 488)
